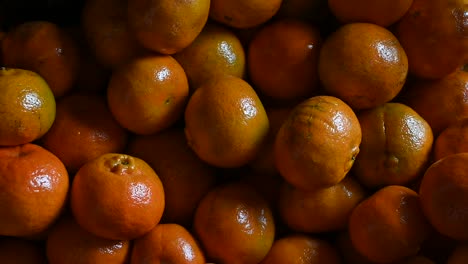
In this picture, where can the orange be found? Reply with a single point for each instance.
(452, 140)
(321, 210)
(67, 242)
(83, 130)
(234, 224)
(215, 51)
(225, 122)
(389, 225)
(264, 163)
(301, 249)
(444, 195)
(395, 148)
(167, 26)
(243, 13)
(382, 13)
(283, 59)
(117, 196)
(148, 94)
(363, 64)
(440, 102)
(106, 30)
(317, 144)
(46, 48)
(185, 178)
(27, 106)
(34, 185)
(432, 33)
(167, 243)
(459, 255)
(21, 251)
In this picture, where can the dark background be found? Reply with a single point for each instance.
(63, 12)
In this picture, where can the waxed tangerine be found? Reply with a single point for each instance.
(296, 247)
(33, 186)
(215, 52)
(117, 196)
(225, 122)
(67, 242)
(148, 94)
(444, 195)
(396, 146)
(399, 226)
(167, 243)
(186, 178)
(363, 64)
(433, 33)
(234, 224)
(167, 26)
(45, 48)
(107, 33)
(27, 106)
(317, 144)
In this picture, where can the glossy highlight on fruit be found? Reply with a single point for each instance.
(317, 144)
(117, 196)
(225, 122)
(27, 106)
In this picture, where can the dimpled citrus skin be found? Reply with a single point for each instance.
(321, 210)
(83, 129)
(216, 51)
(452, 140)
(317, 144)
(148, 94)
(243, 13)
(67, 242)
(186, 178)
(296, 247)
(362, 64)
(389, 225)
(441, 102)
(117, 196)
(432, 33)
(45, 48)
(444, 195)
(396, 146)
(27, 106)
(234, 224)
(225, 122)
(167, 26)
(33, 186)
(283, 58)
(167, 243)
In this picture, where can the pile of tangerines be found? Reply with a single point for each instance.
(236, 131)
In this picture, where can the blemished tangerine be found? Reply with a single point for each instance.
(117, 196)
(27, 106)
(317, 144)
